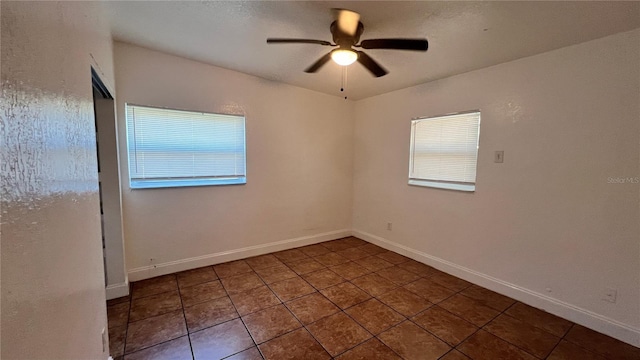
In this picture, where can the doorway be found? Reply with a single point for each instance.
(116, 282)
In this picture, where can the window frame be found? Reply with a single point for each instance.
(183, 182)
(442, 184)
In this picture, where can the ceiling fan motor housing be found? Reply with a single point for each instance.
(343, 39)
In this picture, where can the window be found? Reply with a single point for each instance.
(174, 148)
(444, 151)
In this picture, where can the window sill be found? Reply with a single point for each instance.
(155, 184)
(443, 185)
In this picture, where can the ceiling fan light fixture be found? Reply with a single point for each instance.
(344, 57)
(346, 31)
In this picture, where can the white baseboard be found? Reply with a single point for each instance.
(146, 272)
(117, 290)
(557, 307)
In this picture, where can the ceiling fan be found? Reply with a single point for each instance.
(346, 31)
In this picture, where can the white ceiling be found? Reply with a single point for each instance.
(462, 36)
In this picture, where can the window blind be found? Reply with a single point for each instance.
(182, 148)
(444, 149)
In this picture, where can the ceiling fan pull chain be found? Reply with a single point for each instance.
(344, 80)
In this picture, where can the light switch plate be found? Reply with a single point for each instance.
(498, 157)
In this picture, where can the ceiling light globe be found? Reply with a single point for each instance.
(344, 57)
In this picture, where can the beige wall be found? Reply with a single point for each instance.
(299, 166)
(53, 296)
(546, 226)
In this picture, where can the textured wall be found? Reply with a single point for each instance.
(52, 273)
(552, 216)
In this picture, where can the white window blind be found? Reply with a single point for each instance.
(444, 151)
(171, 148)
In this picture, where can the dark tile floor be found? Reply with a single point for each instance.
(342, 299)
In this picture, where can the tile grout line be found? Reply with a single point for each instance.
(184, 315)
(482, 328)
(553, 348)
(153, 294)
(126, 330)
(461, 292)
(505, 340)
(345, 313)
(156, 315)
(284, 305)
(150, 317)
(282, 302)
(559, 341)
(408, 318)
(452, 348)
(539, 328)
(180, 295)
(373, 336)
(436, 336)
(578, 345)
(318, 290)
(183, 311)
(445, 299)
(240, 317)
(236, 309)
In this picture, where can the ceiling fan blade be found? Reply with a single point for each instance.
(371, 65)
(396, 44)
(318, 64)
(297, 41)
(347, 20)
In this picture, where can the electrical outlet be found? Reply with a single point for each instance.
(498, 157)
(389, 226)
(610, 295)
